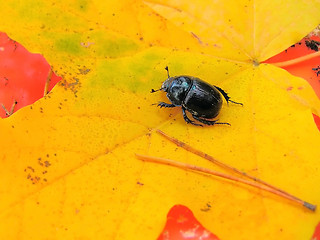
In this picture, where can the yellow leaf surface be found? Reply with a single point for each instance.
(68, 169)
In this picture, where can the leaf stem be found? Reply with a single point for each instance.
(296, 60)
(226, 166)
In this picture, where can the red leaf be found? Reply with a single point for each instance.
(23, 75)
(316, 234)
(302, 69)
(306, 69)
(181, 224)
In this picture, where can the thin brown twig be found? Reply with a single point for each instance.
(9, 113)
(46, 86)
(12, 107)
(226, 166)
(4, 108)
(218, 174)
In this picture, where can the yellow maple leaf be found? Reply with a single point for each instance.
(68, 169)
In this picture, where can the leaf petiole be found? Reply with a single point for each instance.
(297, 60)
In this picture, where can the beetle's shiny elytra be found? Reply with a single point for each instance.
(202, 100)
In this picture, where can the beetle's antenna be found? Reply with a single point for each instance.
(152, 90)
(166, 68)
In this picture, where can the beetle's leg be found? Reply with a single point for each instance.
(185, 117)
(225, 95)
(208, 122)
(167, 105)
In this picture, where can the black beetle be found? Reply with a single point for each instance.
(201, 99)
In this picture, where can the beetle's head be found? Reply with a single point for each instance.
(177, 88)
(166, 84)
